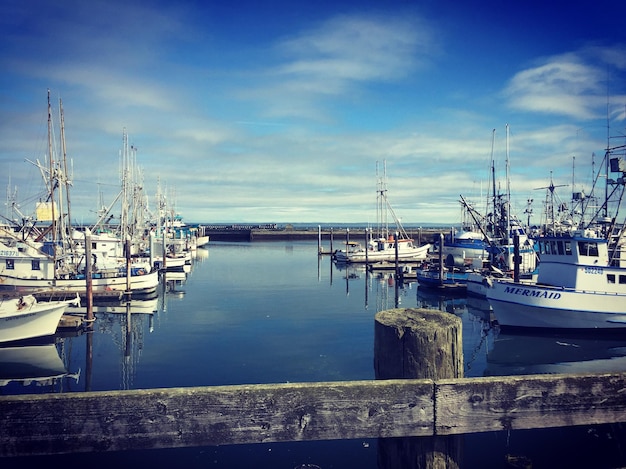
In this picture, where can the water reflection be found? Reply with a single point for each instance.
(540, 353)
(31, 364)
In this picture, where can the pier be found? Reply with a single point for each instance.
(289, 233)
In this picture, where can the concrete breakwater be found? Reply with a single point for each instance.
(337, 235)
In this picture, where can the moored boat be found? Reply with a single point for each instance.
(384, 245)
(383, 250)
(579, 286)
(25, 318)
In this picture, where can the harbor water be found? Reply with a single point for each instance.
(276, 312)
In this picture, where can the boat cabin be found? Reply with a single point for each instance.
(580, 261)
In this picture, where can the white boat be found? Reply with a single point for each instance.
(26, 318)
(44, 258)
(383, 250)
(579, 286)
(384, 245)
(504, 238)
(24, 270)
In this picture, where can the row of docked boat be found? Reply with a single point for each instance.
(568, 275)
(580, 277)
(45, 255)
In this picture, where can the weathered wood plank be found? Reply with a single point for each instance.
(205, 416)
(179, 417)
(475, 405)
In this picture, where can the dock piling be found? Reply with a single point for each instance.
(416, 344)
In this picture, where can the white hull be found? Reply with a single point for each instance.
(25, 318)
(465, 252)
(530, 305)
(476, 285)
(405, 253)
(139, 285)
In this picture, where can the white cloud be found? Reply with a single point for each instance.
(571, 85)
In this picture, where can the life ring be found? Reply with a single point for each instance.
(141, 271)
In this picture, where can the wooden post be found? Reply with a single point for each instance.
(395, 239)
(319, 240)
(441, 259)
(164, 266)
(418, 343)
(128, 262)
(516, 258)
(367, 248)
(88, 276)
(151, 250)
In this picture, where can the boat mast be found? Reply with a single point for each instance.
(494, 217)
(508, 190)
(65, 173)
(52, 182)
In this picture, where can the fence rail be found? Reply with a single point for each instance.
(226, 415)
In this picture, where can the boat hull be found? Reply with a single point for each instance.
(416, 253)
(534, 306)
(32, 320)
(101, 287)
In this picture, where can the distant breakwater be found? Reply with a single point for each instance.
(274, 233)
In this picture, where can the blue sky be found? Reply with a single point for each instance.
(278, 111)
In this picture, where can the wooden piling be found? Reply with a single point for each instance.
(418, 343)
(88, 276)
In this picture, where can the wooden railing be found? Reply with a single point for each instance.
(384, 408)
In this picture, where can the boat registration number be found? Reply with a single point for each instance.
(594, 270)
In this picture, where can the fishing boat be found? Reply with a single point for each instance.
(42, 256)
(504, 237)
(383, 244)
(443, 274)
(466, 245)
(26, 318)
(581, 278)
(446, 278)
(27, 270)
(383, 250)
(579, 286)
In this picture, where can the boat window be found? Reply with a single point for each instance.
(610, 278)
(545, 247)
(588, 248)
(34, 264)
(10, 263)
(560, 246)
(622, 279)
(568, 248)
(553, 249)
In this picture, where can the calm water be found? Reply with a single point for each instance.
(275, 312)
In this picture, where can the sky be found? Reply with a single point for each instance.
(283, 112)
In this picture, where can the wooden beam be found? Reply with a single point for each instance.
(206, 416)
(475, 405)
(225, 415)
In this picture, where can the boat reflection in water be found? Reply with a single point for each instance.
(516, 353)
(33, 365)
(143, 306)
